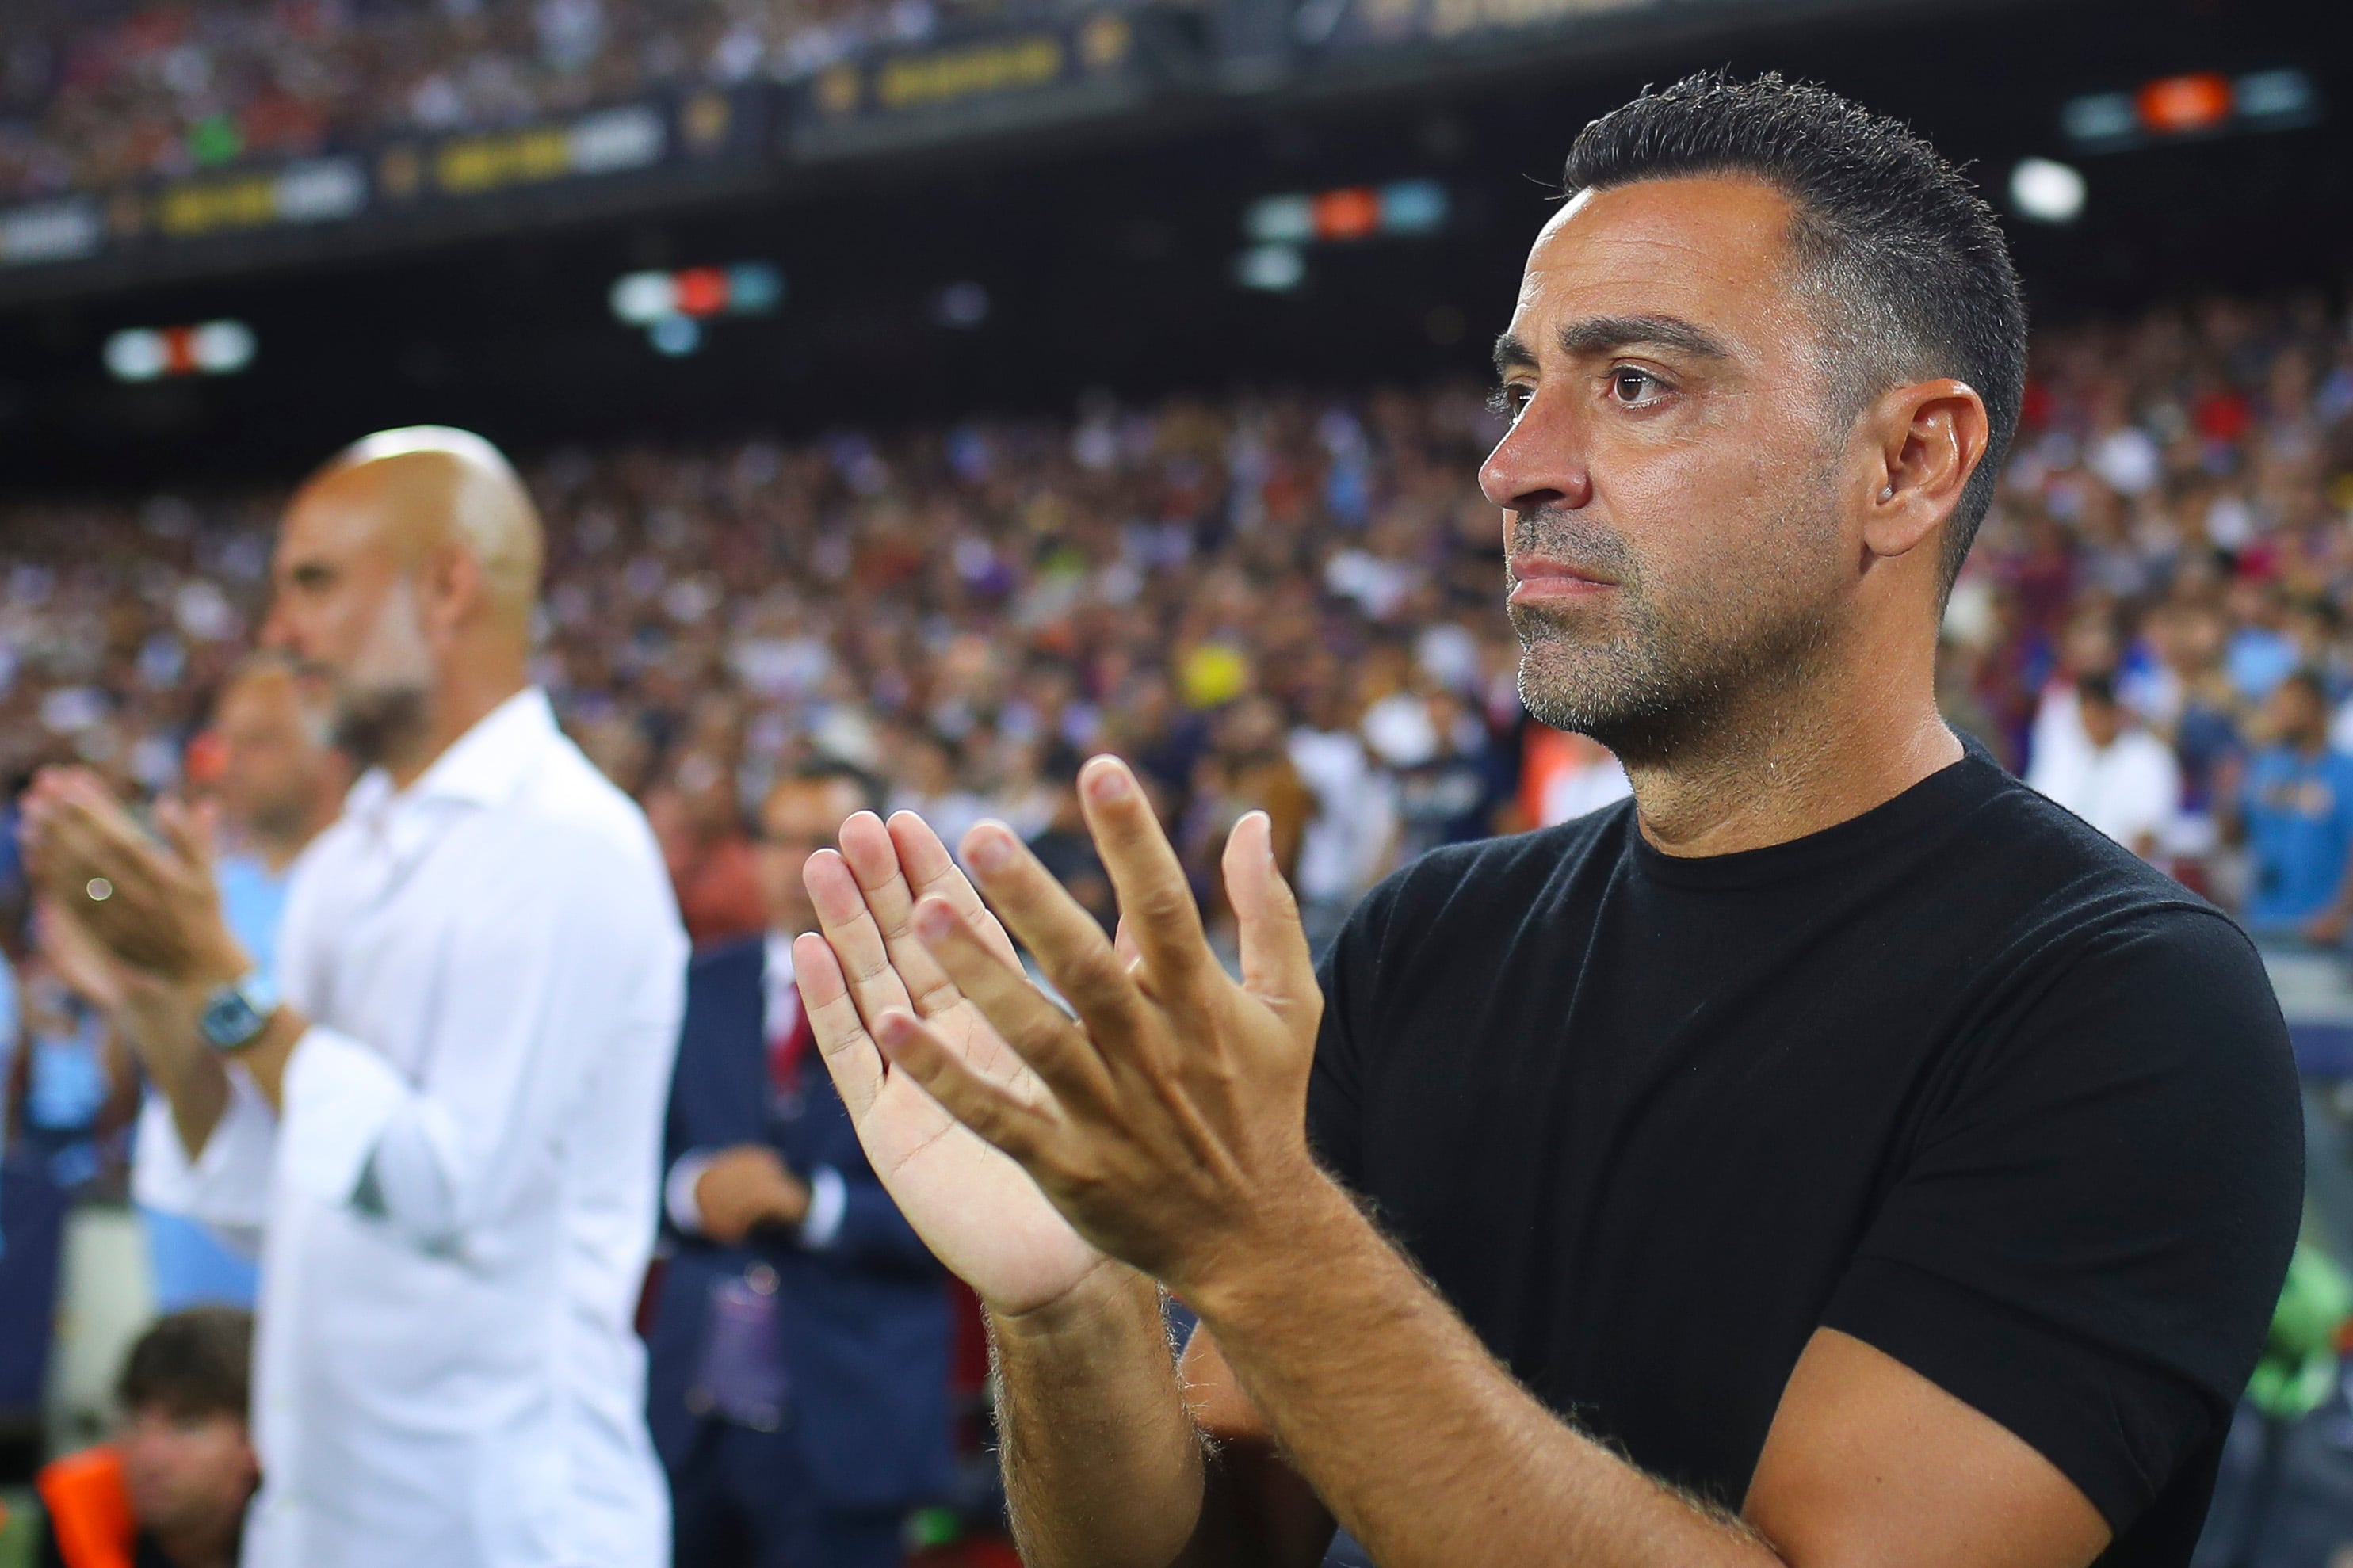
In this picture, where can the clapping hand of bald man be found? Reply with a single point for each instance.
(149, 902)
(135, 920)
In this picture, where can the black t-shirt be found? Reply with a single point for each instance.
(1959, 1077)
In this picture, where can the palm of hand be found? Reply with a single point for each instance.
(972, 1204)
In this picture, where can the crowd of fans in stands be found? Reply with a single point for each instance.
(94, 95)
(1294, 603)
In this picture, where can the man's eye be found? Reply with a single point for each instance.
(1629, 385)
(1510, 401)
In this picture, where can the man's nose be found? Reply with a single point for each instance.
(1539, 463)
(277, 635)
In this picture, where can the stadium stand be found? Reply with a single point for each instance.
(1284, 599)
(90, 100)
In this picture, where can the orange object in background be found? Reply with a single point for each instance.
(2174, 104)
(1349, 214)
(701, 291)
(90, 1511)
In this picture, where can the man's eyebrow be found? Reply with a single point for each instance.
(1512, 355)
(1598, 335)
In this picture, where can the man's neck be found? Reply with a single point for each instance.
(213, 1548)
(276, 851)
(456, 710)
(1803, 758)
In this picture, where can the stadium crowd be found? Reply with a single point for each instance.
(1285, 602)
(94, 96)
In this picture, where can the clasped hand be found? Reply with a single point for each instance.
(150, 903)
(1165, 1123)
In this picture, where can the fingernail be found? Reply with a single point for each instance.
(1111, 781)
(933, 921)
(989, 850)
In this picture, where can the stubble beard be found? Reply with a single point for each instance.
(384, 706)
(1650, 680)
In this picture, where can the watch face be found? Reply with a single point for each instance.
(230, 1021)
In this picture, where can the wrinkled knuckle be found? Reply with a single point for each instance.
(1163, 904)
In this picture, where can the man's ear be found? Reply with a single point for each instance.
(1929, 438)
(452, 581)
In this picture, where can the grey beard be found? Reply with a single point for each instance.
(370, 726)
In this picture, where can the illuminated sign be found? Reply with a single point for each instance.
(208, 348)
(2195, 103)
(51, 231)
(672, 306)
(317, 190)
(605, 142)
(953, 74)
(1406, 208)
(1280, 225)
(1089, 64)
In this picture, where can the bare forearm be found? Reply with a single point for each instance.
(1103, 1466)
(1427, 1449)
(162, 1032)
(160, 1025)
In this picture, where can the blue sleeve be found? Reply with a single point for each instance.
(719, 1086)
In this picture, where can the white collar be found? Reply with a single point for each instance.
(484, 766)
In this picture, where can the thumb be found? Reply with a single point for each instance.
(1276, 965)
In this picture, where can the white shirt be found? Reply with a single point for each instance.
(458, 1200)
(2128, 789)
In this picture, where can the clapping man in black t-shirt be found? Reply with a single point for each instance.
(1837, 1156)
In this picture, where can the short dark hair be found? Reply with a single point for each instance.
(193, 1363)
(833, 770)
(1913, 274)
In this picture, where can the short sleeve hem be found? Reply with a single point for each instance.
(2116, 1426)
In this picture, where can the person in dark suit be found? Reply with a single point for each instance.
(797, 1371)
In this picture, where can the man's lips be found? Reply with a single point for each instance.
(1537, 578)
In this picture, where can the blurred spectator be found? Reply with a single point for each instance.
(695, 821)
(1066, 850)
(170, 1491)
(2122, 779)
(798, 1376)
(1563, 776)
(958, 610)
(278, 782)
(162, 90)
(2295, 812)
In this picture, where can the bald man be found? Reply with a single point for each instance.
(451, 1111)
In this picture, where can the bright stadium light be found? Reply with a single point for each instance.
(755, 289)
(221, 348)
(1413, 206)
(1280, 220)
(208, 348)
(676, 336)
(641, 298)
(1276, 269)
(2046, 191)
(138, 353)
